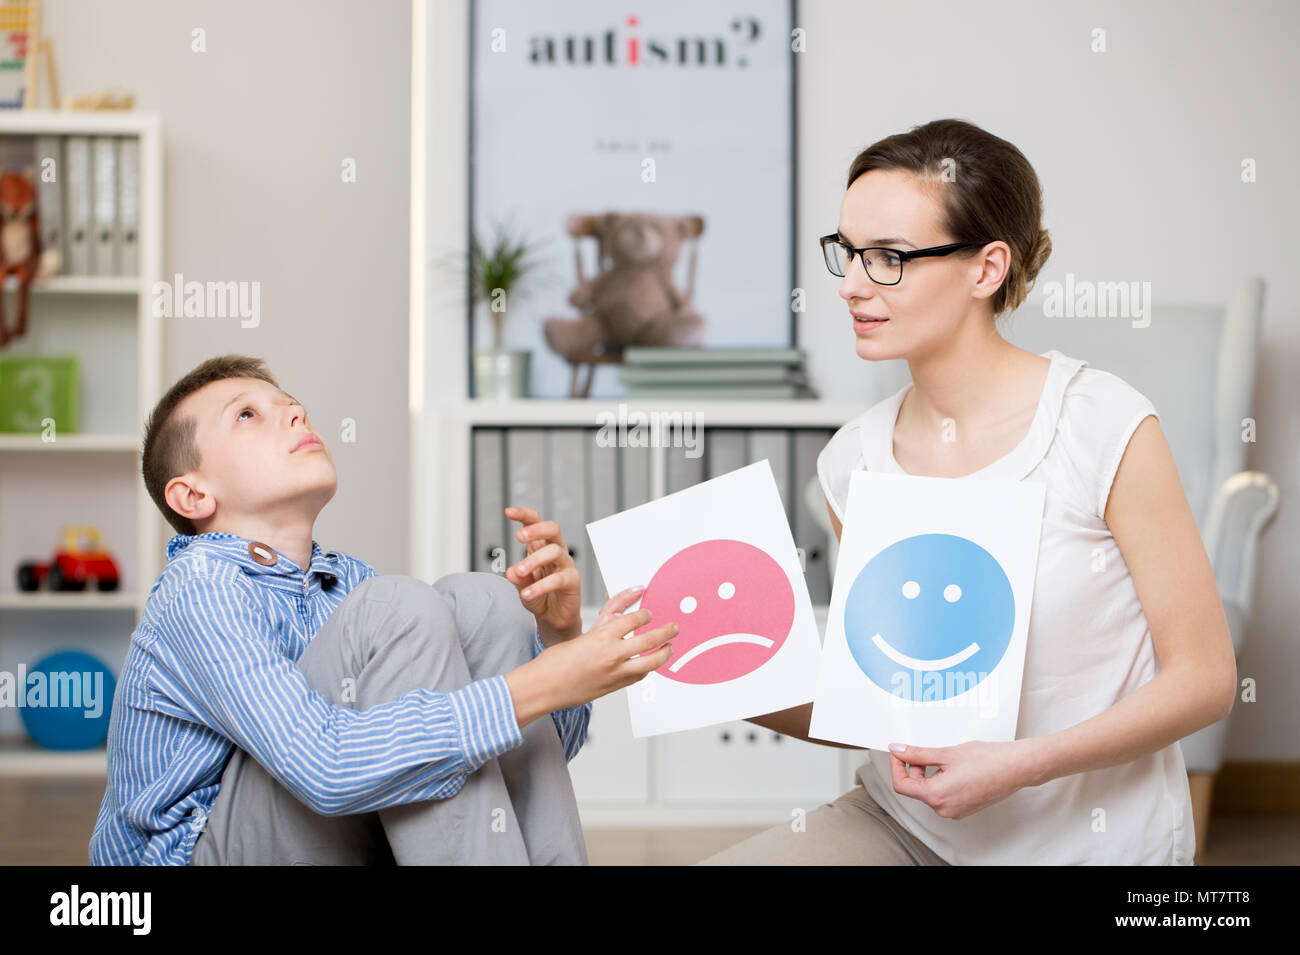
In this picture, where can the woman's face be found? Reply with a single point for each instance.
(922, 312)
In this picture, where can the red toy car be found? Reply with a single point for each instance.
(81, 559)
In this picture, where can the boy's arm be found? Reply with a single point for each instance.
(213, 662)
(571, 722)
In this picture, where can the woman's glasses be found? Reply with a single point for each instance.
(884, 266)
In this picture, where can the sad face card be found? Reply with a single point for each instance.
(719, 560)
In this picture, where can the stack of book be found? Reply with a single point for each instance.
(720, 373)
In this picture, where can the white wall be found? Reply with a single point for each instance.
(1138, 151)
(255, 131)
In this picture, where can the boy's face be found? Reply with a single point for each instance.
(253, 462)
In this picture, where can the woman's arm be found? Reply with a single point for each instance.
(1153, 525)
(794, 722)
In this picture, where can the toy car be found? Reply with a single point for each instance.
(82, 558)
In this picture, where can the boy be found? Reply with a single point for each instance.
(284, 704)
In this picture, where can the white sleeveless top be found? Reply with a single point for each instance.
(1088, 645)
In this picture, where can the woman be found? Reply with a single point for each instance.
(1123, 581)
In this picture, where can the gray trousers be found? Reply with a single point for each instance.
(390, 635)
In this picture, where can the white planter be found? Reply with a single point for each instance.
(501, 374)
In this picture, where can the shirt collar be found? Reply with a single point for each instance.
(260, 559)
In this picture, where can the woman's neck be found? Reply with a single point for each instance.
(969, 381)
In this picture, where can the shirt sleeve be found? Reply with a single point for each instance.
(833, 468)
(361, 571)
(1126, 409)
(214, 665)
(570, 722)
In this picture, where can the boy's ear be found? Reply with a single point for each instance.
(184, 496)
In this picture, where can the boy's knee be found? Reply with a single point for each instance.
(411, 594)
(478, 584)
(474, 594)
(394, 595)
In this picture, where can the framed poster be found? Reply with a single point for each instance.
(677, 121)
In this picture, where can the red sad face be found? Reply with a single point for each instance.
(733, 604)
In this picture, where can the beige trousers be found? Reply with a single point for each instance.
(852, 830)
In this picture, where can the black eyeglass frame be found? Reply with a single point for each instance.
(903, 254)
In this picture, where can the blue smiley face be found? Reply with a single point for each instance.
(929, 617)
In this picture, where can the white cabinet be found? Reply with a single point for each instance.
(745, 764)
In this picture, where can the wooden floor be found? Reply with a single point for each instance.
(49, 821)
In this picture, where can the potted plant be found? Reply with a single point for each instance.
(497, 274)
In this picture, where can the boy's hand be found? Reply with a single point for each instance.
(547, 578)
(595, 663)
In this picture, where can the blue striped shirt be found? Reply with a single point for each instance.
(211, 667)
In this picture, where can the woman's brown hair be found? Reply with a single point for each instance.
(986, 188)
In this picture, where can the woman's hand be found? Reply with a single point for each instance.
(971, 776)
(547, 578)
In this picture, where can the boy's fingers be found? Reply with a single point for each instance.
(525, 514)
(650, 661)
(535, 529)
(537, 559)
(617, 604)
(546, 532)
(622, 600)
(650, 639)
(568, 577)
(625, 623)
(539, 531)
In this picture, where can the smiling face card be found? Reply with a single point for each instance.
(717, 559)
(929, 613)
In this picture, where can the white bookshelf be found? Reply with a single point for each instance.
(80, 285)
(92, 476)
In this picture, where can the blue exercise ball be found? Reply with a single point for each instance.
(68, 698)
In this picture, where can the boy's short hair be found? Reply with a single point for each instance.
(169, 445)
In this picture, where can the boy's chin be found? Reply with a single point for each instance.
(308, 496)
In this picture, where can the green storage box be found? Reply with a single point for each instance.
(36, 387)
